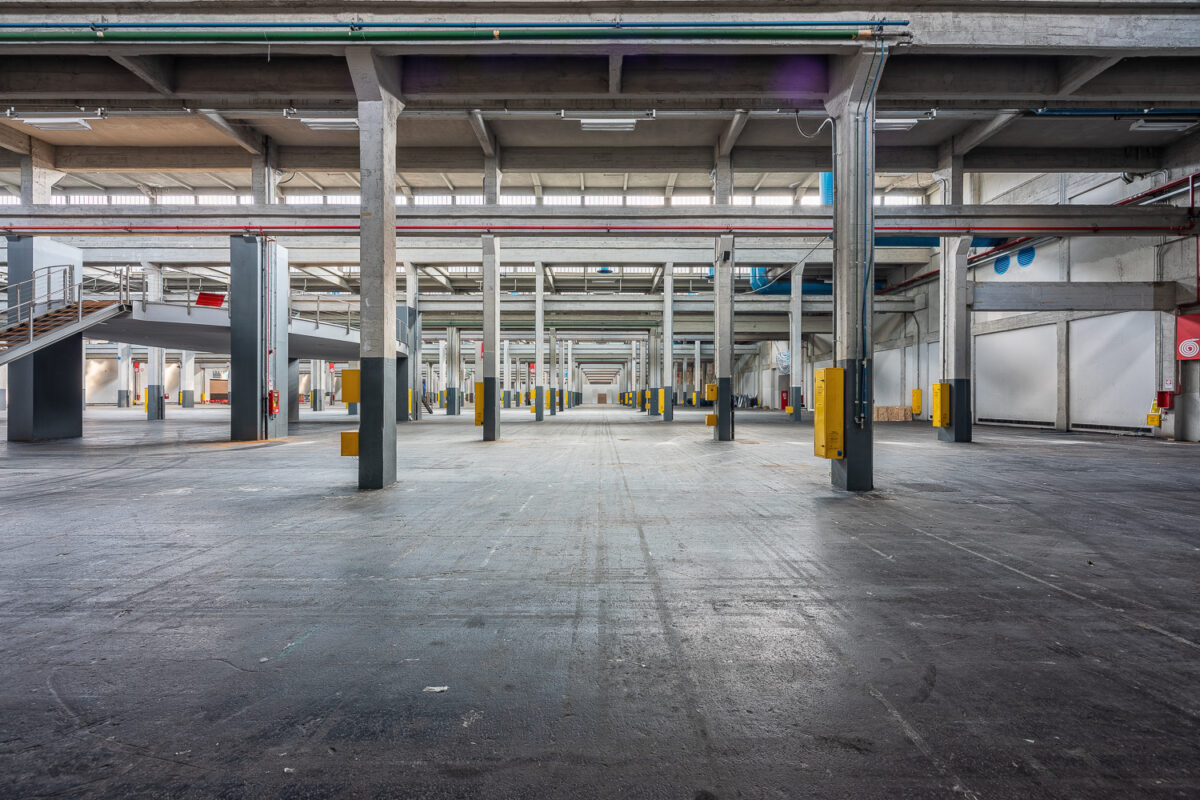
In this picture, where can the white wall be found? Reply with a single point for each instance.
(1112, 369)
(887, 378)
(100, 381)
(1016, 375)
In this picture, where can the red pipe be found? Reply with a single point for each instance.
(16, 230)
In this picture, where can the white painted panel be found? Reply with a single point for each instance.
(933, 372)
(100, 381)
(171, 382)
(887, 378)
(912, 378)
(1016, 375)
(1112, 369)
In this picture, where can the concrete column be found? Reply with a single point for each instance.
(156, 357)
(956, 338)
(491, 340)
(352, 408)
(851, 104)
(796, 343)
(539, 347)
(668, 341)
(124, 376)
(38, 175)
(491, 180)
(698, 376)
(187, 379)
(45, 389)
(440, 378)
(723, 337)
(264, 179)
(258, 318)
(552, 365)
(453, 371)
(722, 181)
(571, 387)
(1062, 412)
(293, 390)
(376, 86)
(316, 370)
(654, 338)
(506, 395)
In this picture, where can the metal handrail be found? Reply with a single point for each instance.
(56, 297)
(349, 310)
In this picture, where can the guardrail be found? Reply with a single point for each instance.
(25, 303)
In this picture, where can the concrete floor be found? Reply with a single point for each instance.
(618, 608)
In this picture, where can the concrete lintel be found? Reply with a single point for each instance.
(1110, 296)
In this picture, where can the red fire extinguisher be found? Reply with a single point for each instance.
(273, 402)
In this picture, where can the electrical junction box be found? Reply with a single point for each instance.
(829, 426)
(916, 403)
(710, 392)
(940, 405)
(349, 443)
(710, 420)
(662, 401)
(478, 402)
(351, 386)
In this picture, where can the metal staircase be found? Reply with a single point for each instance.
(52, 306)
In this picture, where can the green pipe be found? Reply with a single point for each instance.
(481, 34)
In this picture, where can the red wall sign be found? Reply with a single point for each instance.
(1187, 337)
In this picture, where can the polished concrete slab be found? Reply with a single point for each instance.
(600, 605)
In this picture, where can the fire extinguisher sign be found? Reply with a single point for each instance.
(1187, 337)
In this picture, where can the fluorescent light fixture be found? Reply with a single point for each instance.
(330, 123)
(1163, 125)
(57, 121)
(897, 124)
(608, 120)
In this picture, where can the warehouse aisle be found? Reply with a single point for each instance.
(597, 606)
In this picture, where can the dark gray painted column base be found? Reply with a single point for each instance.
(539, 403)
(3, 399)
(562, 400)
(507, 398)
(316, 400)
(187, 399)
(491, 410)
(723, 432)
(669, 406)
(552, 404)
(855, 472)
(960, 412)
(653, 409)
(377, 424)
(452, 401)
(156, 406)
(794, 397)
(124, 398)
(45, 393)
(352, 408)
(293, 390)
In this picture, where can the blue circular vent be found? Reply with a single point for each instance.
(1025, 256)
(1001, 265)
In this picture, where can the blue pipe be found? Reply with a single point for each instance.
(457, 25)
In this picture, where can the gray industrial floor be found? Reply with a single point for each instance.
(615, 607)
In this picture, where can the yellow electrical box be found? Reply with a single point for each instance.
(789, 410)
(410, 405)
(829, 413)
(351, 386)
(710, 392)
(940, 405)
(1154, 420)
(662, 401)
(916, 403)
(694, 402)
(478, 403)
(710, 420)
(349, 443)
